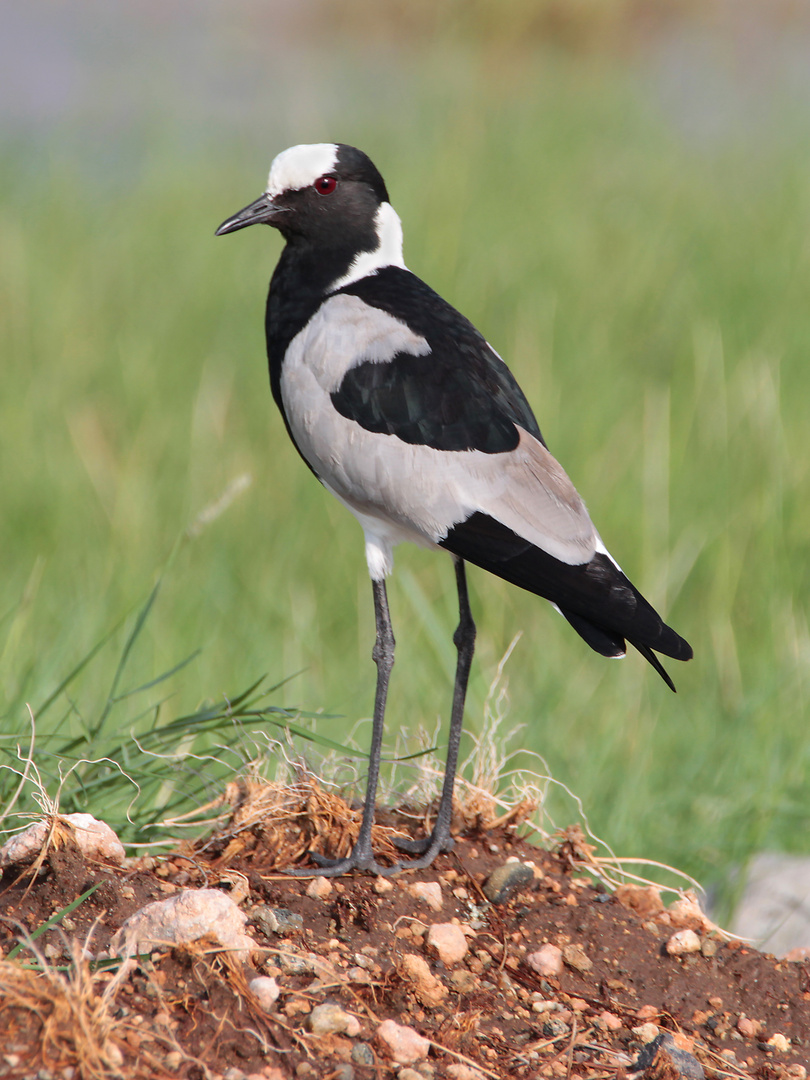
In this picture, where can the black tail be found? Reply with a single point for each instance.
(602, 605)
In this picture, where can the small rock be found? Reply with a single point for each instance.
(686, 914)
(430, 892)
(294, 964)
(645, 1033)
(409, 1074)
(448, 942)
(645, 901)
(796, 1072)
(683, 943)
(546, 1006)
(414, 970)
(343, 1072)
(503, 882)
(575, 957)
(95, 839)
(319, 888)
(362, 1054)
(332, 1020)
(779, 1043)
(184, 918)
(747, 1027)
(463, 981)
(610, 1021)
(555, 1027)
(459, 1071)
(647, 1012)
(382, 886)
(277, 920)
(546, 961)
(662, 1057)
(404, 1045)
(266, 990)
(233, 1074)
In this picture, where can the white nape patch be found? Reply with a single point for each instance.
(300, 166)
(388, 251)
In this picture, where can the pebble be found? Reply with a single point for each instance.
(95, 839)
(779, 1043)
(668, 1059)
(610, 1021)
(277, 920)
(747, 1027)
(404, 1045)
(430, 892)
(448, 942)
(294, 964)
(463, 981)
(459, 1071)
(182, 919)
(362, 1054)
(683, 943)
(503, 882)
(414, 970)
(343, 1072)
(575, 957)
(554, 1027)
(382, 886)
(546, 961)
(319, 888)
(645, 1033)
(266, 990)
(332, 1020)
(645, 901)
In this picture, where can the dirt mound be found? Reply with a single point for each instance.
(558, 979)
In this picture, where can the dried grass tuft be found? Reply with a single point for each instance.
(63, 1019)
(287, 821)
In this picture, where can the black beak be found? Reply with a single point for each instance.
(260, 212)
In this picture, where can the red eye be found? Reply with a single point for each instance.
(325, 185)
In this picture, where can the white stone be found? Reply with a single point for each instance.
(404, 1045)
(95, 839)
(430, 892)
(185, 918)
(546, 961)
(682, 943)
(319, 888)
(415, 970)
(330, 1019)
(266, 990)
(448, 942)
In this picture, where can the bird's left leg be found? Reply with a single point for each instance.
(464, 640)
(362, 857)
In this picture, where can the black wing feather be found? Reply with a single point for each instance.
(459, 396)
(599, 601)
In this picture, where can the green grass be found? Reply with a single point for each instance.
(649, 292)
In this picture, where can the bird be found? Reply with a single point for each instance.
(406, 414)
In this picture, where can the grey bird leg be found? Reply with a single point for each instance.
(464, 640)
(362, 857)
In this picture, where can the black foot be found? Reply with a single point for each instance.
(358, 860)
(421, 847)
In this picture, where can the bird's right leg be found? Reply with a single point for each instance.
(362, 857)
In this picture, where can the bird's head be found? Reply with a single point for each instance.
(315, 190)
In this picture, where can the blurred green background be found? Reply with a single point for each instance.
(617, 195)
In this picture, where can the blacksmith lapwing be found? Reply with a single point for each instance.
(411, 419)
